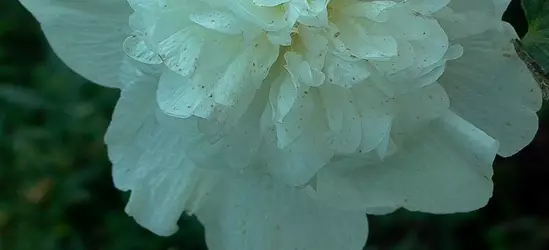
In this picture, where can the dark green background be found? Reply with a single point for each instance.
(56, 190)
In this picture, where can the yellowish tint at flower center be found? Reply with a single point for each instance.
(333, 77)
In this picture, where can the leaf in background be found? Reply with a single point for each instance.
(536, 41)
(534, 47)
(539, 73)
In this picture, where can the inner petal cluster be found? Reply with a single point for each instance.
(308, 81)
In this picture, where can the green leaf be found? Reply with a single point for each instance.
(536, 41)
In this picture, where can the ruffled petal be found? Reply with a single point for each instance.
(148, 157)
(492, 88)
(470, 17)
(444, 168)
(251, 211)
(87, 35)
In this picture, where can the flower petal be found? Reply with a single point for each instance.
(252, 211)
(491, 87)
(469, 17)
(86, 34)
(148, 157)
(444, 168)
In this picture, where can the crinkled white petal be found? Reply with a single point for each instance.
(253, 211)
(442, 168)
(299, 161)
(469, 17)
(492, 88)
(87, 35)
(148, 157)
(218, 20)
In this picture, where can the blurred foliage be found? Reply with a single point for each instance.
(536, 40)
(55, 182)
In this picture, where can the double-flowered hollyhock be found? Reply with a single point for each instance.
(282, 123)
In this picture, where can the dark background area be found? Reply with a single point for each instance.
(55, 181)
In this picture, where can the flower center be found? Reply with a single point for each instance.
(319, 66)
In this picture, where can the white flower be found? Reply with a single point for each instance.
(280, 123)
